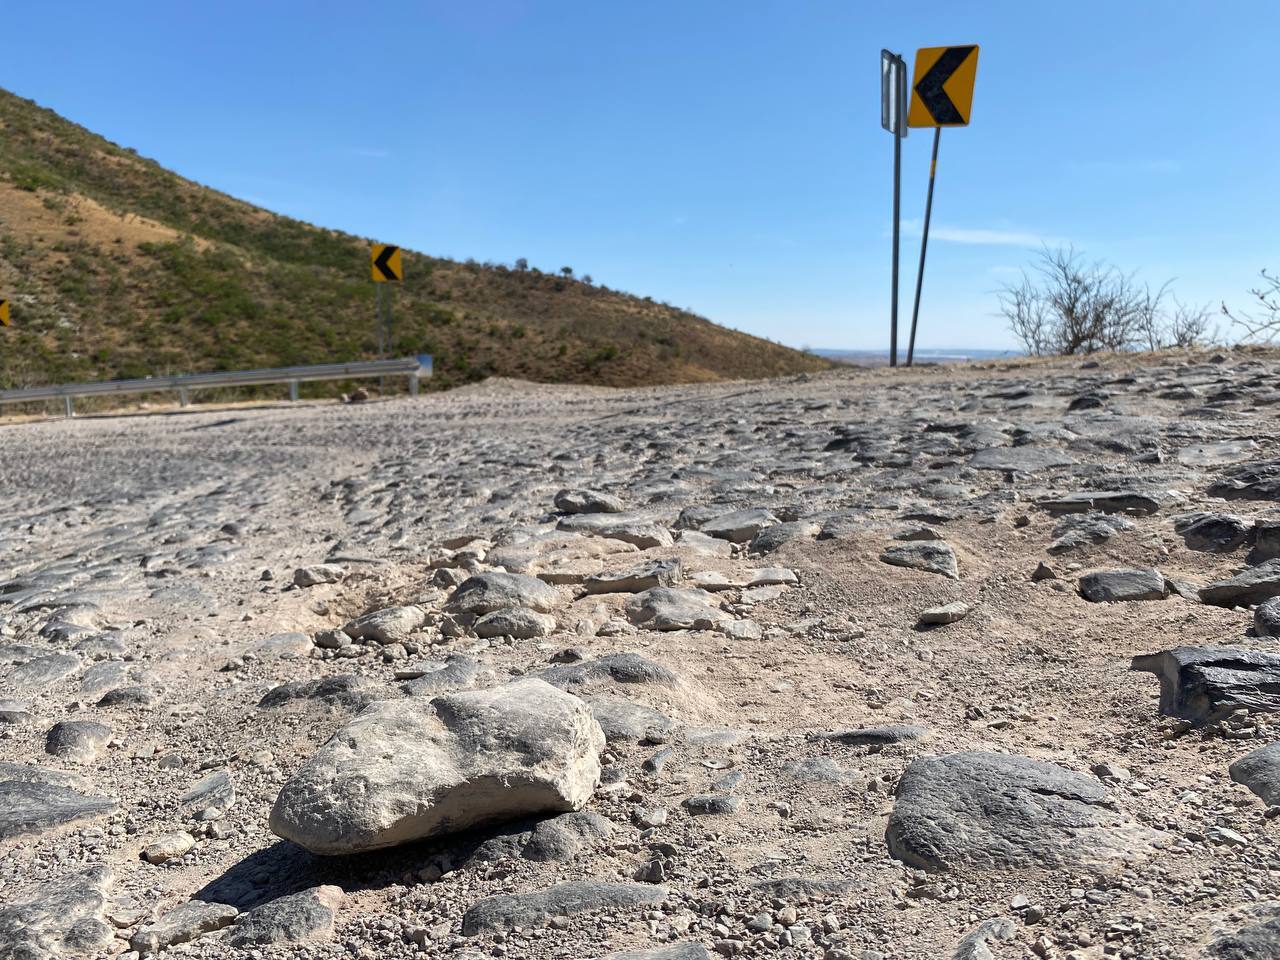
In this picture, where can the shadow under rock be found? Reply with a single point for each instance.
(284, 867)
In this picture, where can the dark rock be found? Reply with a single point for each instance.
(1252, 585)
(673, 951)
(772, 538)
(1260, 772)
(62, 917)
(345, 691)
(1082, 529)
(1108, 501)
(1259, 940)
(1206, 683)
(974, 944)
(79, 741)
(1266, 619)
(929, 556)
(1266, 541)
(1212, 532)
(456, 672)
(623, 720)
(504, 911)
(739, 526)
(33, 807)
(710, 804)
(876, 736)
(587, 501)
(1249, 481)
(131, 696)
(612, 668)
(1005, 811)
(1117, 585)
(182, 924)
(295, 918)
(562, 838)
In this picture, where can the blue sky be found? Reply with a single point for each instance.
(725, 157)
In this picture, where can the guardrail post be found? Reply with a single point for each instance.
(413, 384)
(184, 398)
(66, 402)
(293, 390)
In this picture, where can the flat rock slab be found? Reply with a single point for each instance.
(974, 945)
(639, 531)
(505, 911)
(1107, 501)
(1078, 530)
(1025, 459)
(998, 810)
(489, 592)
(622, 668)
(182, 924)
(739, 526)
(1118, 585)
(63, 917)
(1212, 532)
(1249, 481)
(1201, 684)
(33, 807)
(1260, 772)
(1252, 585)
(297, 918)
(882, 736)
(658, 573)
(406, 770)
(674, 951)
(386, 626)
(930, 556)
(668, 608)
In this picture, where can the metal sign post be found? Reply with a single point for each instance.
(893, 102)
(385, 267)
(941, 96)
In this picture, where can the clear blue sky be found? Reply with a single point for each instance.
(723, 156)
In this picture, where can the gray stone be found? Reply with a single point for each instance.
(1025, 459)
(974, 945)
(456, 672)
(42, 671)
(1249, 481)
(667, 608)
(656, 573)
(1108, 501)
(587, 501)
(622, 668)
(14, 711)
(517, 622)
(296, 918)
(390, 625)
(286, 646)
(77, 741)
(1252, 585)
(504, 911)
(624, 720)
(317, 574)
(641, 532)
(930, 556)
(802, 889)
(1266, 618)
(673, 951)
(345, 691)
(562, 838)
(182, 924)
(739, 526)
(410, 769)
(1005, 811)
(62, 917)
(1212, 532)
(1258, 940)
(772, 538)
(1266, 541)
(877, 736)
(1201, 684)
(1078, 530)
(948, 613)
(1260, 772)
(210, 797)
(712, 804)
(1118, 585)
(35, 805)
(489, 592)
(818, 770)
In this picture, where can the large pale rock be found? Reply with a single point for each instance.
(1259, 770)
(63, 917)
(493, 591)
(668, 608)
(389, 625)
(587, 501)
(934, 556)
(408, 769)
(1005, 811)
(1201, 684)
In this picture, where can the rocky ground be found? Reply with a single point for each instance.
(973, 662)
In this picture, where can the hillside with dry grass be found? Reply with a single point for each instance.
(117, 267)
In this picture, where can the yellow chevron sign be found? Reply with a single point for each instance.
(384, 263)
(942, 87)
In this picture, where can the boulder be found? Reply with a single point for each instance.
(182, 924)
(996, 810)
(739, 526)
(1249, 481)
(1258, 939)
(77, 741)
(772, 538)
(1117, 585)
(390, 625)
(1201, 684)
(1212, 532)
(410, 769)
(517, 622)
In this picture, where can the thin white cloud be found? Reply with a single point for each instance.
(981, 236)
(376, 153)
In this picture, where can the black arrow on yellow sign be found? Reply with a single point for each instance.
(387, 267)
(943, 91)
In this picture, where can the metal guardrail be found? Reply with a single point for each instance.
(411, 367)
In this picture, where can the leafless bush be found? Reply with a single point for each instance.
(1066, 305)
(1263, 323)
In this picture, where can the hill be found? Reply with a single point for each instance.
(117, 267)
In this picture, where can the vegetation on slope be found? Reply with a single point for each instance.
(117, 267)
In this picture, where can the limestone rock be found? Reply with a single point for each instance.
(390, 625)
(587, 501)
(409, 769)
(167, 847)
(516, 622)
(317, 574)
(930, 556)
(667, 608)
